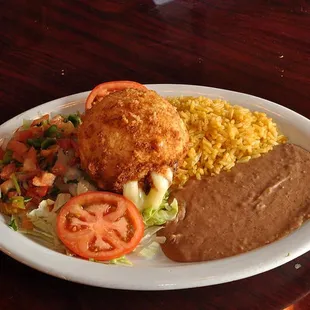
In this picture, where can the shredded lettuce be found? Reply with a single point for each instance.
(13, 223)
(44, 222)
(43, 218)
(150, 250)
(49, 240)
(149, 237)
(123, 260)
(149, 244)
(159, 216)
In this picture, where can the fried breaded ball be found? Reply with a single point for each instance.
(129, 134)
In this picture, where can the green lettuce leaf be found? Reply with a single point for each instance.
(150, 250)
(123, 260)
(159, 216)
(13, 223)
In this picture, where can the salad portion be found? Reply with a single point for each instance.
(45, 193)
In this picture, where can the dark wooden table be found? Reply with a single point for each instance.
(49, 49)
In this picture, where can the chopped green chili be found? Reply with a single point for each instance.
(15, 182)
(47, 143)
(51, 131)
(74, 119)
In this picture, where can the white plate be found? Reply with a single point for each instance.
(161, 273)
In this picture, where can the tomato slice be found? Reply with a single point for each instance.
(100, 225)
(105, 89)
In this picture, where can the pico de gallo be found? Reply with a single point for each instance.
(45, 193)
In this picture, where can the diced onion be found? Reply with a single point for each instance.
(61, 200)
(84, 186)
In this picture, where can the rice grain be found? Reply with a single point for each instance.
(221, 135)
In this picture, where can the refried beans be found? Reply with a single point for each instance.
(254, 204)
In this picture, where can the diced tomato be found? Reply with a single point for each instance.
(17, 147)
(37, 191)
(7, 171)
(40, 120)
(23, 135)
(17, 157)
(37, 131)
(46, 179)
(19, 150)
(30, 162)
(100, 225)
(59, 169)
(65, 144)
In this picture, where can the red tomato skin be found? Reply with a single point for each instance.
(17, 147)
(37, 191)
(93, 198)
(106, 88)
(23, 135)
(18, 157)
(7, 171)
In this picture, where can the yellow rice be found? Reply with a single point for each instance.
(222, 135)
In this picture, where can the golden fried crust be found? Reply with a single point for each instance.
(129, 134)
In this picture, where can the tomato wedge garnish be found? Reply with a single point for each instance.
(100, 225)
(105, 89)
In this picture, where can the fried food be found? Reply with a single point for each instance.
(128, 135)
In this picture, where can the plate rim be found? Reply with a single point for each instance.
(167, 276)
